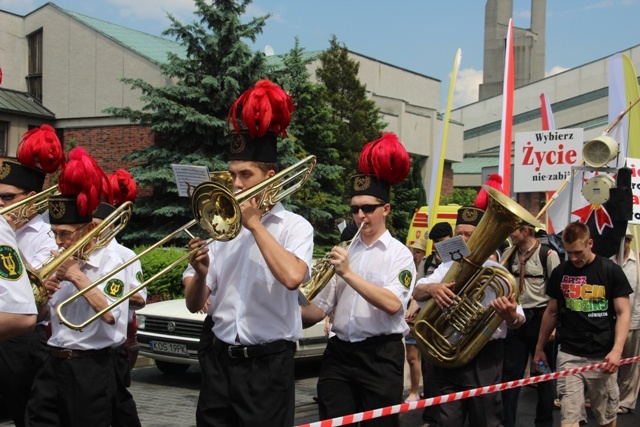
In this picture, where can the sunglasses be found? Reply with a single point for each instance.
(365, 208)
(7, 197)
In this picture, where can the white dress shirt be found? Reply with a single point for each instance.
(34, 242)
(99, 334)
(16, 296)
(382, 264)
(249, 306)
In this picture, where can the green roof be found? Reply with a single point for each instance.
(22, 103)
(153, 48)
(474, 165)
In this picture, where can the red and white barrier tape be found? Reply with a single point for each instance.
(405, 407)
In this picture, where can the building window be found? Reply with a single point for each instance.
(4, 131)
(34, 79)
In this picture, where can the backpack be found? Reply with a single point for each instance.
(554, 241)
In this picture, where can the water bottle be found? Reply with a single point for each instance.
(543, 368)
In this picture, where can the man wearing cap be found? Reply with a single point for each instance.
(251, 282)
(76, 384)
(438, 233)
(21, 357)
(629, 374)
(486, 367)
(527, 267)
(362, 366)
(441, 231)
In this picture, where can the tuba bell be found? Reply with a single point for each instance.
(450, 338)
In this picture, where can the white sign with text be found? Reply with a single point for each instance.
(543, 159)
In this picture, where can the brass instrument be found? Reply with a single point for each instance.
(108, 228)
(217, 212)
(321, 272)
(23, 210)
(450, 338)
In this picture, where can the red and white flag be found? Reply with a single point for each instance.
(504, 168)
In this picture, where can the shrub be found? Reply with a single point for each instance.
(169, 285)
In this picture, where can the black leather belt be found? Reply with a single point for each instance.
(251, 351)
(371, 340)
(67, 353)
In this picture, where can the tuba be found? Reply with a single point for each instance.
(321, 272)
(450, 338)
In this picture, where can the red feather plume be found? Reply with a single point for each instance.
(482, 199)
(82, 177)
(123, 188)
(40, 148)
(264, 107)
(386, 158)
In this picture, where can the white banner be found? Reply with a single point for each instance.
(543, 159)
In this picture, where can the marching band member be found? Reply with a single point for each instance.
(39, 153)
(486, 367)
(248, 377)
(122, 189)
(76, 384)
(362, 366)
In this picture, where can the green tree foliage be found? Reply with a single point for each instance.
(169, 285)
(312, 131)
(460, 196)
(188, 116)
(357, 118)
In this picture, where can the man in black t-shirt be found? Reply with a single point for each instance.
(589, 304)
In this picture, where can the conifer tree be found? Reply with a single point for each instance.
(188, 117)
(357, 118)
(312, 129)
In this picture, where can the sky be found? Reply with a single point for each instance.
(418, 35)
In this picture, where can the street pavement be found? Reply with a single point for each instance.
(170, 400)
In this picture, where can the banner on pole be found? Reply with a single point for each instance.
(543, 159)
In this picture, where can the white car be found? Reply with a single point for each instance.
(169, 334)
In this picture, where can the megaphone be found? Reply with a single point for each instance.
(600, 151)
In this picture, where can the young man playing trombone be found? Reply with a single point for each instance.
(76, 384)
(362, 367)
(247, 372)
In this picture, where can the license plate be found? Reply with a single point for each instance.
(168, 347)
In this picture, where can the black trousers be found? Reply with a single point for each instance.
(125, 412)
(20, 359)
(430, 414)
(253, 392)
(357, 377)
(75, 392)
(518, 345)
(483, 370)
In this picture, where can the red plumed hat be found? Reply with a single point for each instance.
(382, 163)
(81, 184)
(41, 148)
(39, 153)
(264, 107)
(265, 111)
(123, 187)
(482, 199)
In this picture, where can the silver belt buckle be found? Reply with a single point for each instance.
(232, 348)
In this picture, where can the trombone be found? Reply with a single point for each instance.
(217, 212)
(25, 208)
